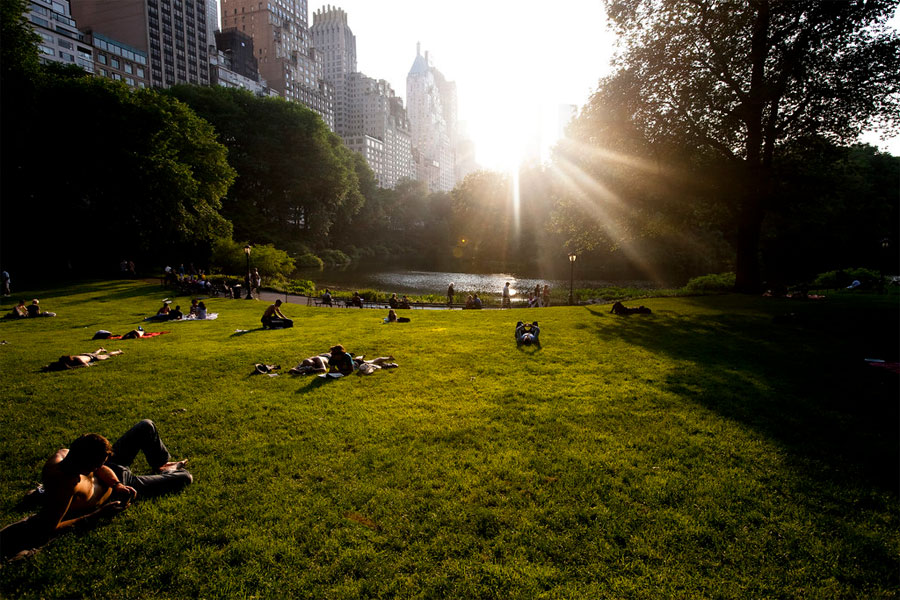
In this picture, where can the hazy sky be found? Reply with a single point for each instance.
(510, 59)
(513, 61)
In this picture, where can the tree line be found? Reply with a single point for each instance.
(719, 142)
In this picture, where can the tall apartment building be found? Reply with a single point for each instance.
(335, 42)
(173, 33)
(212, 20)
(368, 116)
(60, 39)
(376, 113)
(287, 60)
(431, 100)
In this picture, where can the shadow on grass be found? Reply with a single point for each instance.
(801, 382)
(241, 332)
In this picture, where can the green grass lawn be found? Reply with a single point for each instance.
(714, 449)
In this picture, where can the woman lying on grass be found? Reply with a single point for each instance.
(80, 360)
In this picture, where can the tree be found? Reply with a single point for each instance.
(295, 178)
(145, 181)
(734, 79)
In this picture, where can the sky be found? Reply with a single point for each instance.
(514, 61)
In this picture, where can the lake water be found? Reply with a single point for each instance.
(404, 281)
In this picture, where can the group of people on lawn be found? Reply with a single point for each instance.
(196, 311)
(92, 478)
(21, 311)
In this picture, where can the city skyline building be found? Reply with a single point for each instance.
(61, 41)
(430, 100)
(282, 43)
(333, 39)
(172, 33)
(368, 115)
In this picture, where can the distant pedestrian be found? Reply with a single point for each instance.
(4, 277)
(538, 294)
(131, 270)
(505, 302)
(255, 281)
(545, 298)
(450, 294)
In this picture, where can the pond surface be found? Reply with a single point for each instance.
(404, 281)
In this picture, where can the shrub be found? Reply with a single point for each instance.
(722, 282)
(844, 277)
(229, 256)
(309, 261)
(334, 258)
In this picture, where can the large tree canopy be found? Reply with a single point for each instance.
(295, 177)
(730, 81)
(138, 176)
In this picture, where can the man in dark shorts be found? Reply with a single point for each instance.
(93, 479)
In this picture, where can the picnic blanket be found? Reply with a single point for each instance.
(147, 334)
(209, 317)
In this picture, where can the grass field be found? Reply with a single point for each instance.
(715, 449)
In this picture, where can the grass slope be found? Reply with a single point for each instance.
(706, 451)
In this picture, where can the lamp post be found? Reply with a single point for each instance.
(572, 258)
(885, 257)
(249, 283)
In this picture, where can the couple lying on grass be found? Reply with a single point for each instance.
(92, 479)
(338, 360)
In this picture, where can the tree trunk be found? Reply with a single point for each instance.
(747, 279)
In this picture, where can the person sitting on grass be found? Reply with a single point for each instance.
(273, 318)
(528, 334)
(193, 310)
(35, 310)
(19, 311)
(92, 479)
(201, 310)
(175, 314)
(80, 360)
(393, 318)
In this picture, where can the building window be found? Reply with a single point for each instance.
(114, 63)
(101, 58)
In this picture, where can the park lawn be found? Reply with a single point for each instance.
(718, 448)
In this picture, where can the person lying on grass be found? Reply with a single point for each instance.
(92, 479)
(528, 334)
(80, 360)
(338, 360)
(313, 364)
(273, 318)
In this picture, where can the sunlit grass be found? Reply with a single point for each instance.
(717, 448)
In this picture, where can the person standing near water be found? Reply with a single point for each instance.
(450, 294)
(505, 303)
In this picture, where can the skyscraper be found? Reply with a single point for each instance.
(368, 116)
(286, 58)
(335, 42)
(172, 32)
(431, 101)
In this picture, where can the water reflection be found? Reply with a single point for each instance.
(436, 282)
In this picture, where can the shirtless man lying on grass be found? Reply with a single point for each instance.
(81, 360)
(93, 479)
